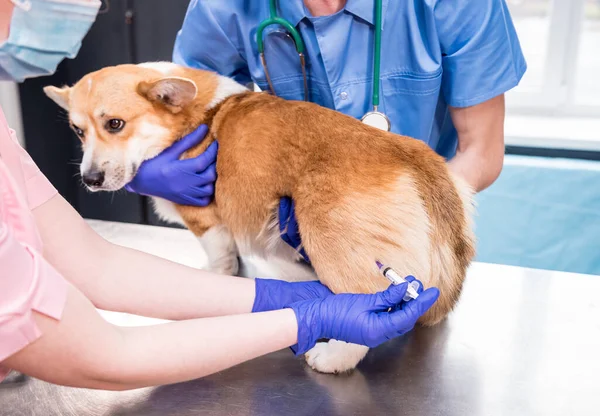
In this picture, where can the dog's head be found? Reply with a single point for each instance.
(126, 114)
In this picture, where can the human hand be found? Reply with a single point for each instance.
(185, 182)
(360, 319)
(274, 294)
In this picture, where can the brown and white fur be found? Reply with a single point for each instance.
(361, 194)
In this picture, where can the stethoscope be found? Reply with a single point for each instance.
(373, 118)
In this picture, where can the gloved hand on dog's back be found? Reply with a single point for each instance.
(185, 182)
(360, 319)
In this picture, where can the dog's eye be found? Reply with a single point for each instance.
(77, 130)
(114, 125)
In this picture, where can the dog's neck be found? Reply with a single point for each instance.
(222, 106)
(209, 100)
(201, 112)
(226, 87)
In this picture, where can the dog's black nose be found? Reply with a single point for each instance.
(93, 178)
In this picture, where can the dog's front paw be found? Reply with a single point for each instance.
(335, 356)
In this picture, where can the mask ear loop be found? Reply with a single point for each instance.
(106, 8)
(24, 5)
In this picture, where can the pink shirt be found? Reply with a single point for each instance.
(27, 281)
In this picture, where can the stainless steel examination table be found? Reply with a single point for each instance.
(520, 342)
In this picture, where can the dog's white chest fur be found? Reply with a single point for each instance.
(219, 245)
(166, 211)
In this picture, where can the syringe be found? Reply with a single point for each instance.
(396, 279)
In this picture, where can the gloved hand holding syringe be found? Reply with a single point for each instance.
(396, 279)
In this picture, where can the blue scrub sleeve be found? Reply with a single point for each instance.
(481, 54)
(202, 43)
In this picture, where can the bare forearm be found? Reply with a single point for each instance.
(190, 349)
(124, 280)
(480, 153)
(83, 350)
(476, 169)
(143, 284)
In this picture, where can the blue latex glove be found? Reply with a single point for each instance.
(185, 182)
(288, 227)
(360, 319)
(278, 294)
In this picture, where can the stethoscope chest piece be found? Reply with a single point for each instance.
(377, 120)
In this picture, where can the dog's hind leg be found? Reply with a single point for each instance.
(344, 241)
(355, 276)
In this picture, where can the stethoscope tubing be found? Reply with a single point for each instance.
(274, 19)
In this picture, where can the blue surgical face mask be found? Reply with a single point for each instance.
(42, 34)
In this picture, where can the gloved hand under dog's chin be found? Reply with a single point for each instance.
(184, 182)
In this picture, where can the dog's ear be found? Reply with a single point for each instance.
(172, 92)
(59, 95)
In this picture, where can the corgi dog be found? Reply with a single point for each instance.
(362, 195)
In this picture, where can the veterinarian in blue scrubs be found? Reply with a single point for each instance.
(445, 66)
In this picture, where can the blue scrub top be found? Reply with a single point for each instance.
(433, 54)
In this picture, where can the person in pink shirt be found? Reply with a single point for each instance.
(55, 271)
